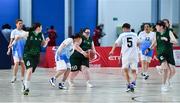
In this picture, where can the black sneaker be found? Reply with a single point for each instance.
(132, 88)
(146, 77)
(26, 92)
(61, 86)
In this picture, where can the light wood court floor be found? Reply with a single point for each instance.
(109, 88)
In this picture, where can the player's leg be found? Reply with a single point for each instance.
(75, 68)
(65, 76)
(60, 69)
(86, 75)
(15, 69)
(166, 73)
(148, 60)
(23, 67)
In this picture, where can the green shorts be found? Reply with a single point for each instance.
(169, 57)
(31, 61)
(77, 62)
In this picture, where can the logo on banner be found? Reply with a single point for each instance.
(96, 58)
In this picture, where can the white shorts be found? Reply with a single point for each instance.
(62, 65)
(145, 58)
(16, 59)
(130, 63)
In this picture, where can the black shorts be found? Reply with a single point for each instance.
(76, 63)
(31, 61)
(169, 57)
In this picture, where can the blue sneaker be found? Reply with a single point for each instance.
(52, 81)
(134, 84)
(130, 88)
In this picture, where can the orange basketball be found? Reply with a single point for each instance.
(91, 54)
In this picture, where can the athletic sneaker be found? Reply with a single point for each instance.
(159, 70)
(61, 86)
(146, 77)
(13, 79)
(52, 81)
(89, 85)
(164, 88)
(134, 84)
(142, 74)
(130, 88)
(26, 92)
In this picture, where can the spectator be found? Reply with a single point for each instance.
(98, 33)
(6, 31)
(52, 36)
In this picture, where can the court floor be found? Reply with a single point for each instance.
(109, 88)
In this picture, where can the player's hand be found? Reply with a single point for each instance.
(85, 54)
(111, 53)
(164, 38)
(9, 46)
(8, 52)
(47, 39)
(146, 51)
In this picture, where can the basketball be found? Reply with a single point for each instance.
(91, 54)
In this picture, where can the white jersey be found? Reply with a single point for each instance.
(18, 47)
(128, 42)
(143, 36)
(66, 51)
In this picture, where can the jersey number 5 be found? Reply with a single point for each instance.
(129, 42)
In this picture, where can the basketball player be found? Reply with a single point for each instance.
(145, 38)
(31, 54)
(128, 41)
(79, 62)
(17, 50)
(62, 57)
(163, 42)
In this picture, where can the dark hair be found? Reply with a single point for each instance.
(147, 24)
(86, 28)
(166, 20)
(6, 26)
(76, 35)
(126, 25)
(161, 23)
(36, 25)
(18, 20)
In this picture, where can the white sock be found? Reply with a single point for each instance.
(14, 77)
(27, 84)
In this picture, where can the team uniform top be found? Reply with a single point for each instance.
(33, 44)
(128, 41)
(165, 48)
(85, 45)
(18, 47)
(66, 52)
(145, 42)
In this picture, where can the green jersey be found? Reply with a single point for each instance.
(33, 43)
(163, 46)
(85, 45)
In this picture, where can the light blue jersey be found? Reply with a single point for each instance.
(145, 42)
(66, 52)
(18, 47)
